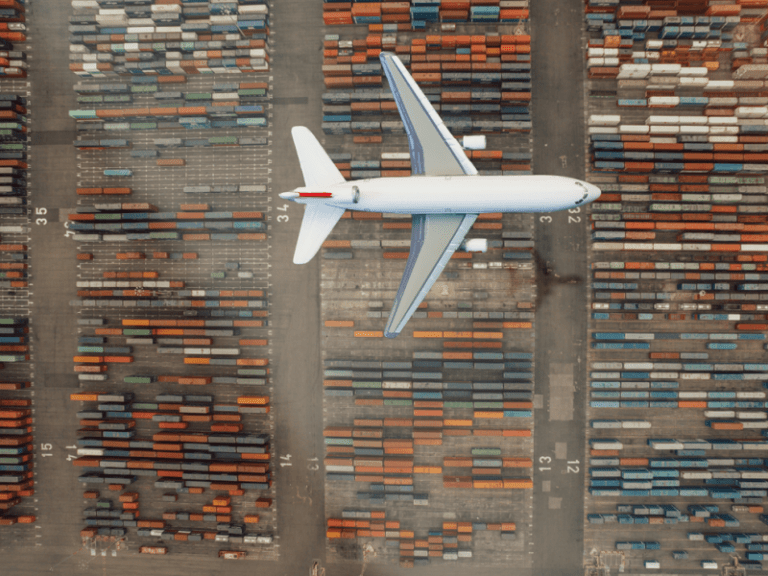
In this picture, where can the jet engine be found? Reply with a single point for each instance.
(475, 245)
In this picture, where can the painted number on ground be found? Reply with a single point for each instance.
(41, 212)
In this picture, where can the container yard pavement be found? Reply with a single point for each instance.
(561, 317)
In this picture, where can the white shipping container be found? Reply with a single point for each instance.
(755, 475)
(92, 377)
(605, 120)
(751, 111)
(634, 424)
(755, 424)
(754, 247)
(693, 71)
(348, 469)
(696, 475)
(607, 445)
(634, 129)
(722, 120)
(395, 156)
(691, 82)
(670, 101)
(140, 30)
(689, 129)
(699, 120)
(167, 8)
(665, 68)
(750, 395)
(720, 85)
(253, 9)
(722, 129)
(660, 129)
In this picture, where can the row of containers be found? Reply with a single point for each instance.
(418, 13)
(398, 164)
(708, 514)
(478, 83)
(193, 339)
(125, 222)
(451, 541)
(16, 446)
(168, 39)
(229, 105)
(16, 441)
(199, 446)
(411, 426)
(677, 398)
(515, 246)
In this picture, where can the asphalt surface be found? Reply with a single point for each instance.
(562, 307)
(295, 295)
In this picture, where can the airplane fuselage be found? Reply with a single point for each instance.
(453, 194)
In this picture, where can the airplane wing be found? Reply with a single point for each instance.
(434, 239)
(434, 151)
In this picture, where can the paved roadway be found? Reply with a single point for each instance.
(561, 311)
(295, 297)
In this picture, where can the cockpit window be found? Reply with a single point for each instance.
(586, 192)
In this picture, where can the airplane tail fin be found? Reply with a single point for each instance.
(319, 171)
(319, 220)
(317, 167)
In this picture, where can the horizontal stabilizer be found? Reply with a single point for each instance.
(317, 167)
(319, 220)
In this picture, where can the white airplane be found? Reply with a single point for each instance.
(444, 194)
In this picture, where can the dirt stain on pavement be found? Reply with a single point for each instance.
(547, 278)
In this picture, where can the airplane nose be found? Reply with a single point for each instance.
(594, 192)
(288, 195)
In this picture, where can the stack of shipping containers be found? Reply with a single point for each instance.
(440, 421)
(173, 311)
(678, 136)
(16, 442)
